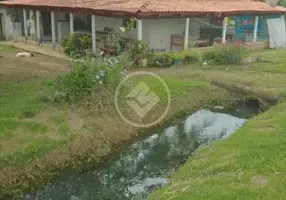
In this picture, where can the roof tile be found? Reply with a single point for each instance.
(149, 7)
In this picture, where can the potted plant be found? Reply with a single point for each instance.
(138, 53)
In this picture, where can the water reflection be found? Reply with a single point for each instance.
(145, 165)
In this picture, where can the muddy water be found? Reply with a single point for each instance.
(146, 164)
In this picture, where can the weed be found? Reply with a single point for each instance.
(6, 47)
(85, 78)
(28, 113)
(77, 45)
(226, 54)
(168, 59)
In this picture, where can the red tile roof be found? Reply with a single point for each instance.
(145, 8)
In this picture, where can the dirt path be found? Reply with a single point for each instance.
(37, 67)
(37, 49)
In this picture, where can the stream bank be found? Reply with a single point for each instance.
(146, 164)
(249, 164)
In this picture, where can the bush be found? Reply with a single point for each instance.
(226, 54)
(191, 56)
(167, 59)
(77, 45)
(137, 51)
(85, 77)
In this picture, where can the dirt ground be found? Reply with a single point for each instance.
(37, 67)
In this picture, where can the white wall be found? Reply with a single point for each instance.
(10, 29)
(159, 31)
(115, 23)
(63, 30)
(156, 32)
(62, 26)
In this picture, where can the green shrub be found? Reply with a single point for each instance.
(167, 59)
(209, 55)
(85, 77)
(137, 51)
(226, 54)
(77, 45)
(160, 60)
(191, 56)
(28, 112)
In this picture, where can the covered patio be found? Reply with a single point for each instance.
(163, 25)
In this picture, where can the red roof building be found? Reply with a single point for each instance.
(150, 8)
(166, 23)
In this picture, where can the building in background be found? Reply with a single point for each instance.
(163, 25)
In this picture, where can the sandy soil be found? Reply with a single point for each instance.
(37, 67)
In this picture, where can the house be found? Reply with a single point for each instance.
(162, 24)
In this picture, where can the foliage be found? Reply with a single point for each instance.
(113, 41)
(160, 60)
(226, 54)
(84, 78)
(5, 47)
(77, 45)
(138, 50)
(167, 59)
(130, 23)
(280, 2)
(191, 56)
(114, 38)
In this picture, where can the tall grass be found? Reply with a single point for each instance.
(226, 54)
(86, 79)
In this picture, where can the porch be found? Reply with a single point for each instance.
(160, 34)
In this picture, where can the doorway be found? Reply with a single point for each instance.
(46, 23)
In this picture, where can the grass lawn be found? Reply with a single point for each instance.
(38, 140)
(250, 164)
(25, 134)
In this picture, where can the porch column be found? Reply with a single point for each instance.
(93, 33)
(224, 27)
(53, 24)
(71, 24)
(33, 25)
(38, 16)
(255, 29)
(25, 23)
(186, 39)
(139, 29)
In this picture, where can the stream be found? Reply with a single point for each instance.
(146, 165)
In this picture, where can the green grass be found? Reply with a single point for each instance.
(177, 87)
(23, 137)
(5, 47)
(33, 134)
(19, 99)
(250, 164)
(19, 102)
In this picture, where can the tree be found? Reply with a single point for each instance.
(280, 2)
